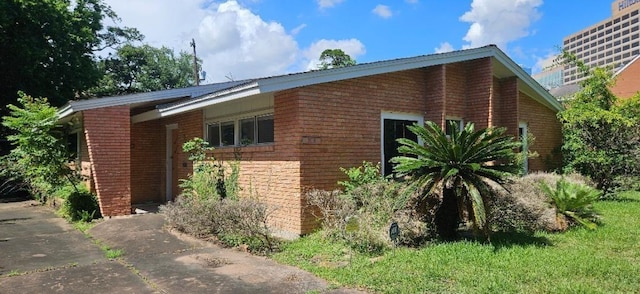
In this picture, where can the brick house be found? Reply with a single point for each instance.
(295, 131)
(627, 83)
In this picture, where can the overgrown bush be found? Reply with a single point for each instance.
(38, 156)
(246, 218)
(191, 215)
(331, 209)
(364, 223)
(233, 222)
(524, 206)
(209, 178)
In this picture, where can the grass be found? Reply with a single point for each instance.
(605, 260)
(112, 253)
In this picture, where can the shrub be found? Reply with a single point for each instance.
(524, 206)
(246, 218)
(81, 206)
(38, 156)
(381, 203)
(574, 201)
(192, 215)
(360, 175)
(331, 209)
(233, 222)
(209, 178)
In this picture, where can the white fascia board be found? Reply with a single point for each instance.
(210, 100)
(146, 116)
(204, 100)
(549, 99)
(65, 111)
(280, 83)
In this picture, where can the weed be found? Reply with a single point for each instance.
(112, 253)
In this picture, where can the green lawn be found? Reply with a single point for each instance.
(606, 260)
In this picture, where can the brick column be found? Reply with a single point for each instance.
(108, 135)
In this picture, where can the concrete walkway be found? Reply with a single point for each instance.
(42, 253)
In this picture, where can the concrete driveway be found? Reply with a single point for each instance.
(42, 253)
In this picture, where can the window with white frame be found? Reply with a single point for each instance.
(451, 124)
(242, 131)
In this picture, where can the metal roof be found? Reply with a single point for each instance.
(157, 97)
(192, 98)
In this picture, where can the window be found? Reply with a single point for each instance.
(73, 146)
(244, 131)
(265, 129)
(394, 126)
(523, 134)
(451, 124)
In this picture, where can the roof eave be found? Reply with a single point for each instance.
(549, 99)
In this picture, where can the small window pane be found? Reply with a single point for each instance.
(227, 130)
(265, 129)
(247, 131)
(213, 131)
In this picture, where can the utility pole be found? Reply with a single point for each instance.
(195, 62)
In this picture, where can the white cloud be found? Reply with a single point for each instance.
(499, 22)
(411, 1)
(382, 11)
(298, 29)
(230, 39)
(444, 48)
(545, 62)
(239, 42)
(352, 47)
(328, 3)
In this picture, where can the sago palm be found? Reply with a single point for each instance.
(462, 165)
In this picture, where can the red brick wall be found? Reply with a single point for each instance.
(147, 162)
(545, 127)
(148, 154)
(456, 95)
(107, 131)
(272, 172)
(479, 88)
(506, 110)
(628, 81)
(435, 79)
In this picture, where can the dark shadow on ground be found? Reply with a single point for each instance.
(12, 220)
(501, 240)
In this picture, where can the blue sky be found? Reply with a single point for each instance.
(254, 38)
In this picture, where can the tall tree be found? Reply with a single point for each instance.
(461, 167)
(145, 68)
(332, 58)
(601, 134)
(48, 47)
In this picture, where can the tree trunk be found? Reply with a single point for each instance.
(446, 217)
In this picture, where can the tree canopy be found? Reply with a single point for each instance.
(601, 135)
(144, 68)
(48, 47)
(332, 58)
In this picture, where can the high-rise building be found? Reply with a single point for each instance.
(551, 75)
(612, 42)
